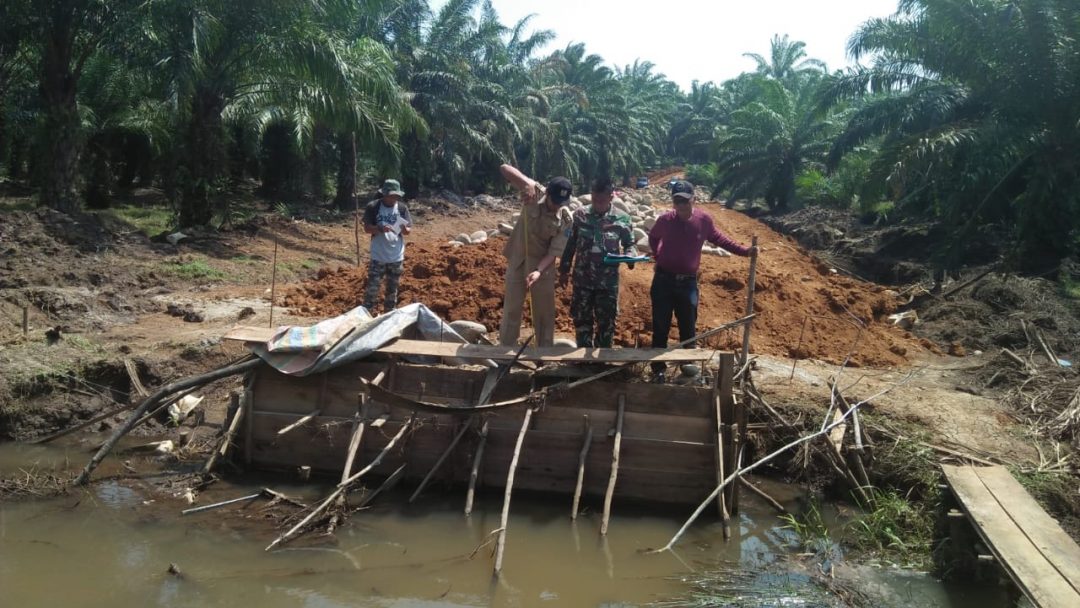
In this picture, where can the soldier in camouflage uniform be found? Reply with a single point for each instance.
(598, 229)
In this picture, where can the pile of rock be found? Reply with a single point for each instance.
(640, 205)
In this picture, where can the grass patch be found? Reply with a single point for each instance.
(82, 343)
(1055, 492)
(896, 528)
(194, 269)
(809, 526)
(149, 219)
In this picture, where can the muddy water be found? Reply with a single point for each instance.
(111, 546)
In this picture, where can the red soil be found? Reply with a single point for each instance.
(803, 309)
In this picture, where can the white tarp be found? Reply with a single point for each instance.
(300, 351)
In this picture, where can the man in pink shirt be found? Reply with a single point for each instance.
(676, 241)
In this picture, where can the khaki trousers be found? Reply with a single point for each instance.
(543, 306)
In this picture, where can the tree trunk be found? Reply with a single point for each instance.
(345, 199)
(205, 159)
(60, 118)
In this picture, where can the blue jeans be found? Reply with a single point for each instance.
(671, 293)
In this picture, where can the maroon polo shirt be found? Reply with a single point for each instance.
(676, 243)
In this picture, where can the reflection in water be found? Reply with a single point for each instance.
(111, 546)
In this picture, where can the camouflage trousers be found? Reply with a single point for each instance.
(376, 271)
(594, 311)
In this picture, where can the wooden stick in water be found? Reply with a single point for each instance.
(761, 493)
(221, 504)
(474, 474)
(581, 468)
(614, 466)
(341, 487)
(442, 457)
(501, 544)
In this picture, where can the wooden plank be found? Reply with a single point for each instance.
(246, 333)
(1029, 568)
(1043, 531)
(544, 353)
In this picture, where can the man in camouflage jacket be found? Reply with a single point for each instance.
(598, 229)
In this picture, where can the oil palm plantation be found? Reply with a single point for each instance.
(975, 103)
(248, 60)
(772, 138)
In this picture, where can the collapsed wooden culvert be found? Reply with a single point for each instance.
(564, 429)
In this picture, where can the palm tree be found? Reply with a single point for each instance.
(70, 32)
(770, 140)
(787, 60)
(264, 60)
(975, 103)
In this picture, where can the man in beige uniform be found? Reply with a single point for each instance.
(539, 236)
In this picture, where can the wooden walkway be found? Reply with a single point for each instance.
(1038, 555)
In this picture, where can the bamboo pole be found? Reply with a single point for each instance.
(165, 391)
(750, 284)
(500, 546)
(614, 466)
(474, 474)
(581, 468)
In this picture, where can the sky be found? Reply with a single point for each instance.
(696, 39)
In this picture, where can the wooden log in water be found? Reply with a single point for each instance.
(474, 474)
(614, 466)
(501, 543)
(581, 468)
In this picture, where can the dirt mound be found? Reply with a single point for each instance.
(804, 309)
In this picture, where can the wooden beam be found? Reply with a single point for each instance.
(543, 353)
(614, 466)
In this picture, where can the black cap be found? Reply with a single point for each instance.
(559, 190)
(682, 189)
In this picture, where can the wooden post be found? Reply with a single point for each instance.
(501, 544)
(721, 473)
(273, 283)
(475, 472)
(749, 301)
(356, 228)
(303, 472)
(761, 493)
(25, 320)
(614, 466)
(581, 468)
(226, 440)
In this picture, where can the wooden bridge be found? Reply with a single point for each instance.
(1040, 558)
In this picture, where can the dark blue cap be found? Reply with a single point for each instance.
(682, 189)
(559, 189)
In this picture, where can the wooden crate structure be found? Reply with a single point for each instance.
(669, 446)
